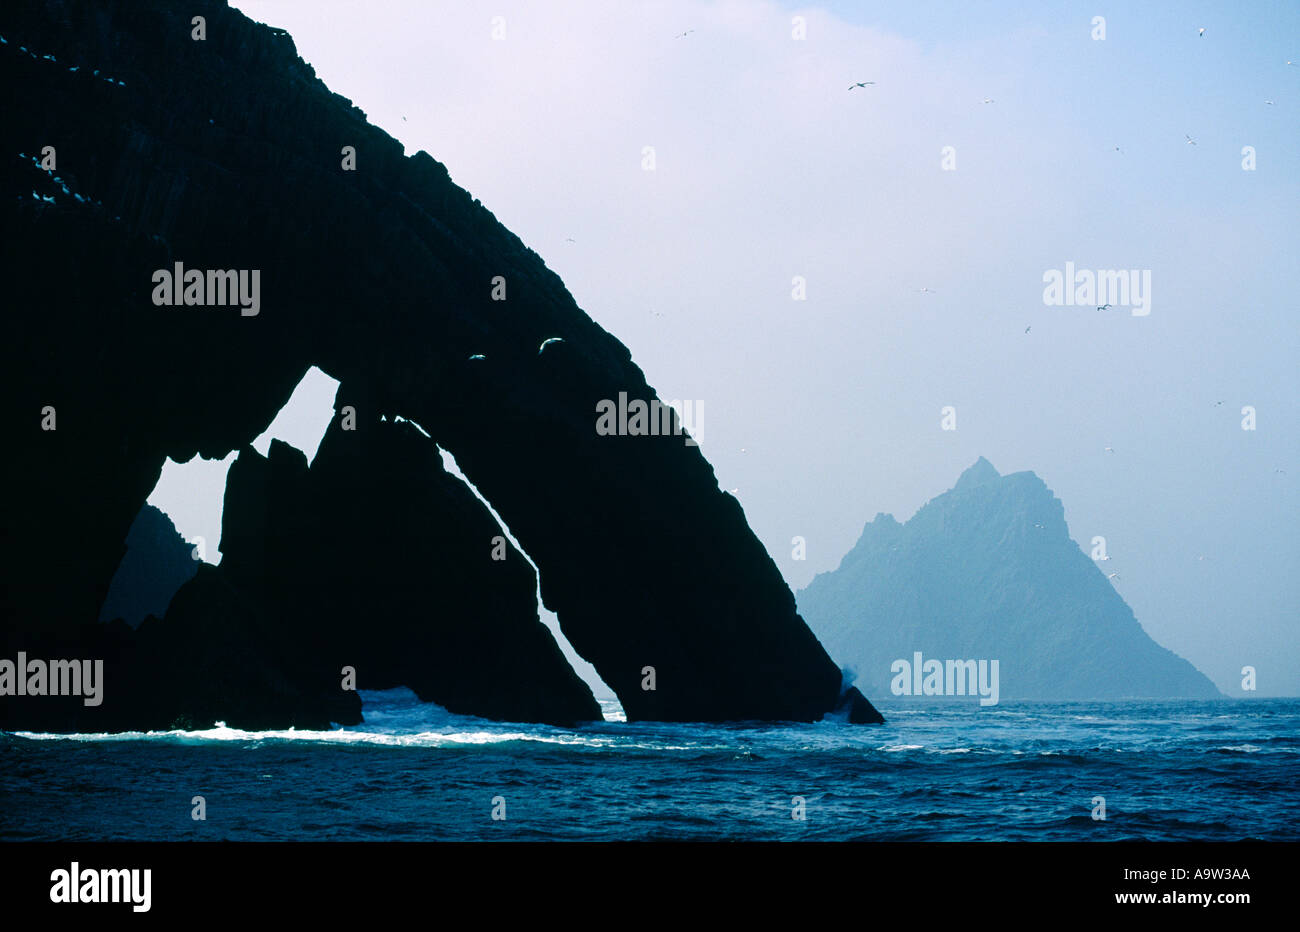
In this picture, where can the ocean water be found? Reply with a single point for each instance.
(950, 770)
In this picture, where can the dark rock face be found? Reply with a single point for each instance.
(226, 154)
(379, 559)
(158, 561)
(988, 571)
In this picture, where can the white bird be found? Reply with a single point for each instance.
(1113, 576)
(733, 491)
(546, 343)
(74, 67)
(926, 291)
(1268, 103)
(989, 100)
(1291, 63)
(861, 84)
(1282, 471)
(478, 356)
(1103, 558)
(570, 239)
(1200, 32)
(1190, 140)
(1039, 526)
(1027, 329)
(684, 34)
(1110, 449)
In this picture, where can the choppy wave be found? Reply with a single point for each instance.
(1175, 770)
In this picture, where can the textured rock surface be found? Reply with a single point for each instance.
(988, 571)
(225, 154)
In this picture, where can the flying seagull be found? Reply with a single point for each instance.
(1200, 32)
(861, 84)
(570, 239)
(1217, 403)
(548, 342)
(1103, 307)
(925, 291)
(684, 34)
(1110, 449)
(1113, 576)
(478, 356)
(1190, 140)
(989, 100)
(1119, 150)
(1027, 328)
(1268, 103)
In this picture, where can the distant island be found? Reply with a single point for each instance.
(987, 571)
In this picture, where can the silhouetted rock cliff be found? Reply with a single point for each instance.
(227, 154)
(158, 561)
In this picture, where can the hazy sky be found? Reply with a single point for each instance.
(767, 168)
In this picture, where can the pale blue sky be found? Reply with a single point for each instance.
(767, 168)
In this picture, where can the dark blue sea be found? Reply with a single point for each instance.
(939, 771)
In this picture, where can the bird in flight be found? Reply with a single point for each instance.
(989, 100)
(1113, 576)
(684, 34)
(925, 291)
(1217, 403)
(1028, 328)
(861, 84)
(1103, 307)
(1190, 140)
(1110, 449)
(1119, 150)
(548, 342)
(1268, 103)
(1200, 32)
(570, 239)
(478, 356)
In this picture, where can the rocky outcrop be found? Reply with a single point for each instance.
(988, 571)
(377, 558)
(228, 154)
(158, 561)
